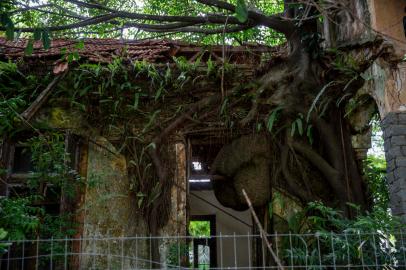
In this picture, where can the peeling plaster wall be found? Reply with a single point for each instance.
(110, 210)
(387, 18)
(363, 20)
(347, 26)
(386, 83)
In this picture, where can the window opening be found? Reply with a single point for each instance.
(197, 166)
(202, 156)
(375, 166)
(22, 160)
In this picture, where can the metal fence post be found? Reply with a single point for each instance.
(52, 250)
(235, 251)
(348, 250)
(361, 250)
(249, 251)
(332, 248)
(319, 250)
(376, 256)
(94, 253)
(37, 257)
(66, 253)
(221, 250)
(178, 251)
(108, 254)
(291, 250)
(122, 252)
(23, 255)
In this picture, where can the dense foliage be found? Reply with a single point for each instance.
(301, 100)
(55, 13)
(370, 239)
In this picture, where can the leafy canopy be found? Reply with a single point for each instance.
(46, 19)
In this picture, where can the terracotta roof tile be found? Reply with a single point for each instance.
(104, 50)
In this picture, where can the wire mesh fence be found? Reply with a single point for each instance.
(325, 250)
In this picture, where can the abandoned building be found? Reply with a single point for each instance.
(200, 158)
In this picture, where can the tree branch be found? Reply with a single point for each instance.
(213, 19)
(90, 5)
(181, 23)
(164, 29)
(275, 22)
(29, 113)
(320, 163)
(39, 8)
(290, 180)
(331, 175)
(218, 4)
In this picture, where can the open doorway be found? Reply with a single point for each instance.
(375, 166)
(204, 246)
(209, 219)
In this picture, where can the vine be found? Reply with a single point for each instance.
(109, 96)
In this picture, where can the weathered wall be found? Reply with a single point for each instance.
(110, 210)
(387, 18)
(349, 25)
(363, 20)
(387, 85)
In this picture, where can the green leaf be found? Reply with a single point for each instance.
(153, 145)
(10, 32)
(158, 93)
(325, 87)
(241, 11)
(136, 100)
(299, 126)
(8, 24)
(272, 118)
(37, 34)
(293, 129)
(224, 106)
(270, 210)
(70, 58)
(30, 47)
(259, 127)
(76, 56)
(80, 45)
(46, 41)
(309, 134)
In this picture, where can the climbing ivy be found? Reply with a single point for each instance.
(109, 96)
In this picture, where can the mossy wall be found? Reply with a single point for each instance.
(110, 206)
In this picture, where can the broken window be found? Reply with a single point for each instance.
(20, 169)
(22, 160)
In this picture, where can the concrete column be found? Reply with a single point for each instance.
(394, 131)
